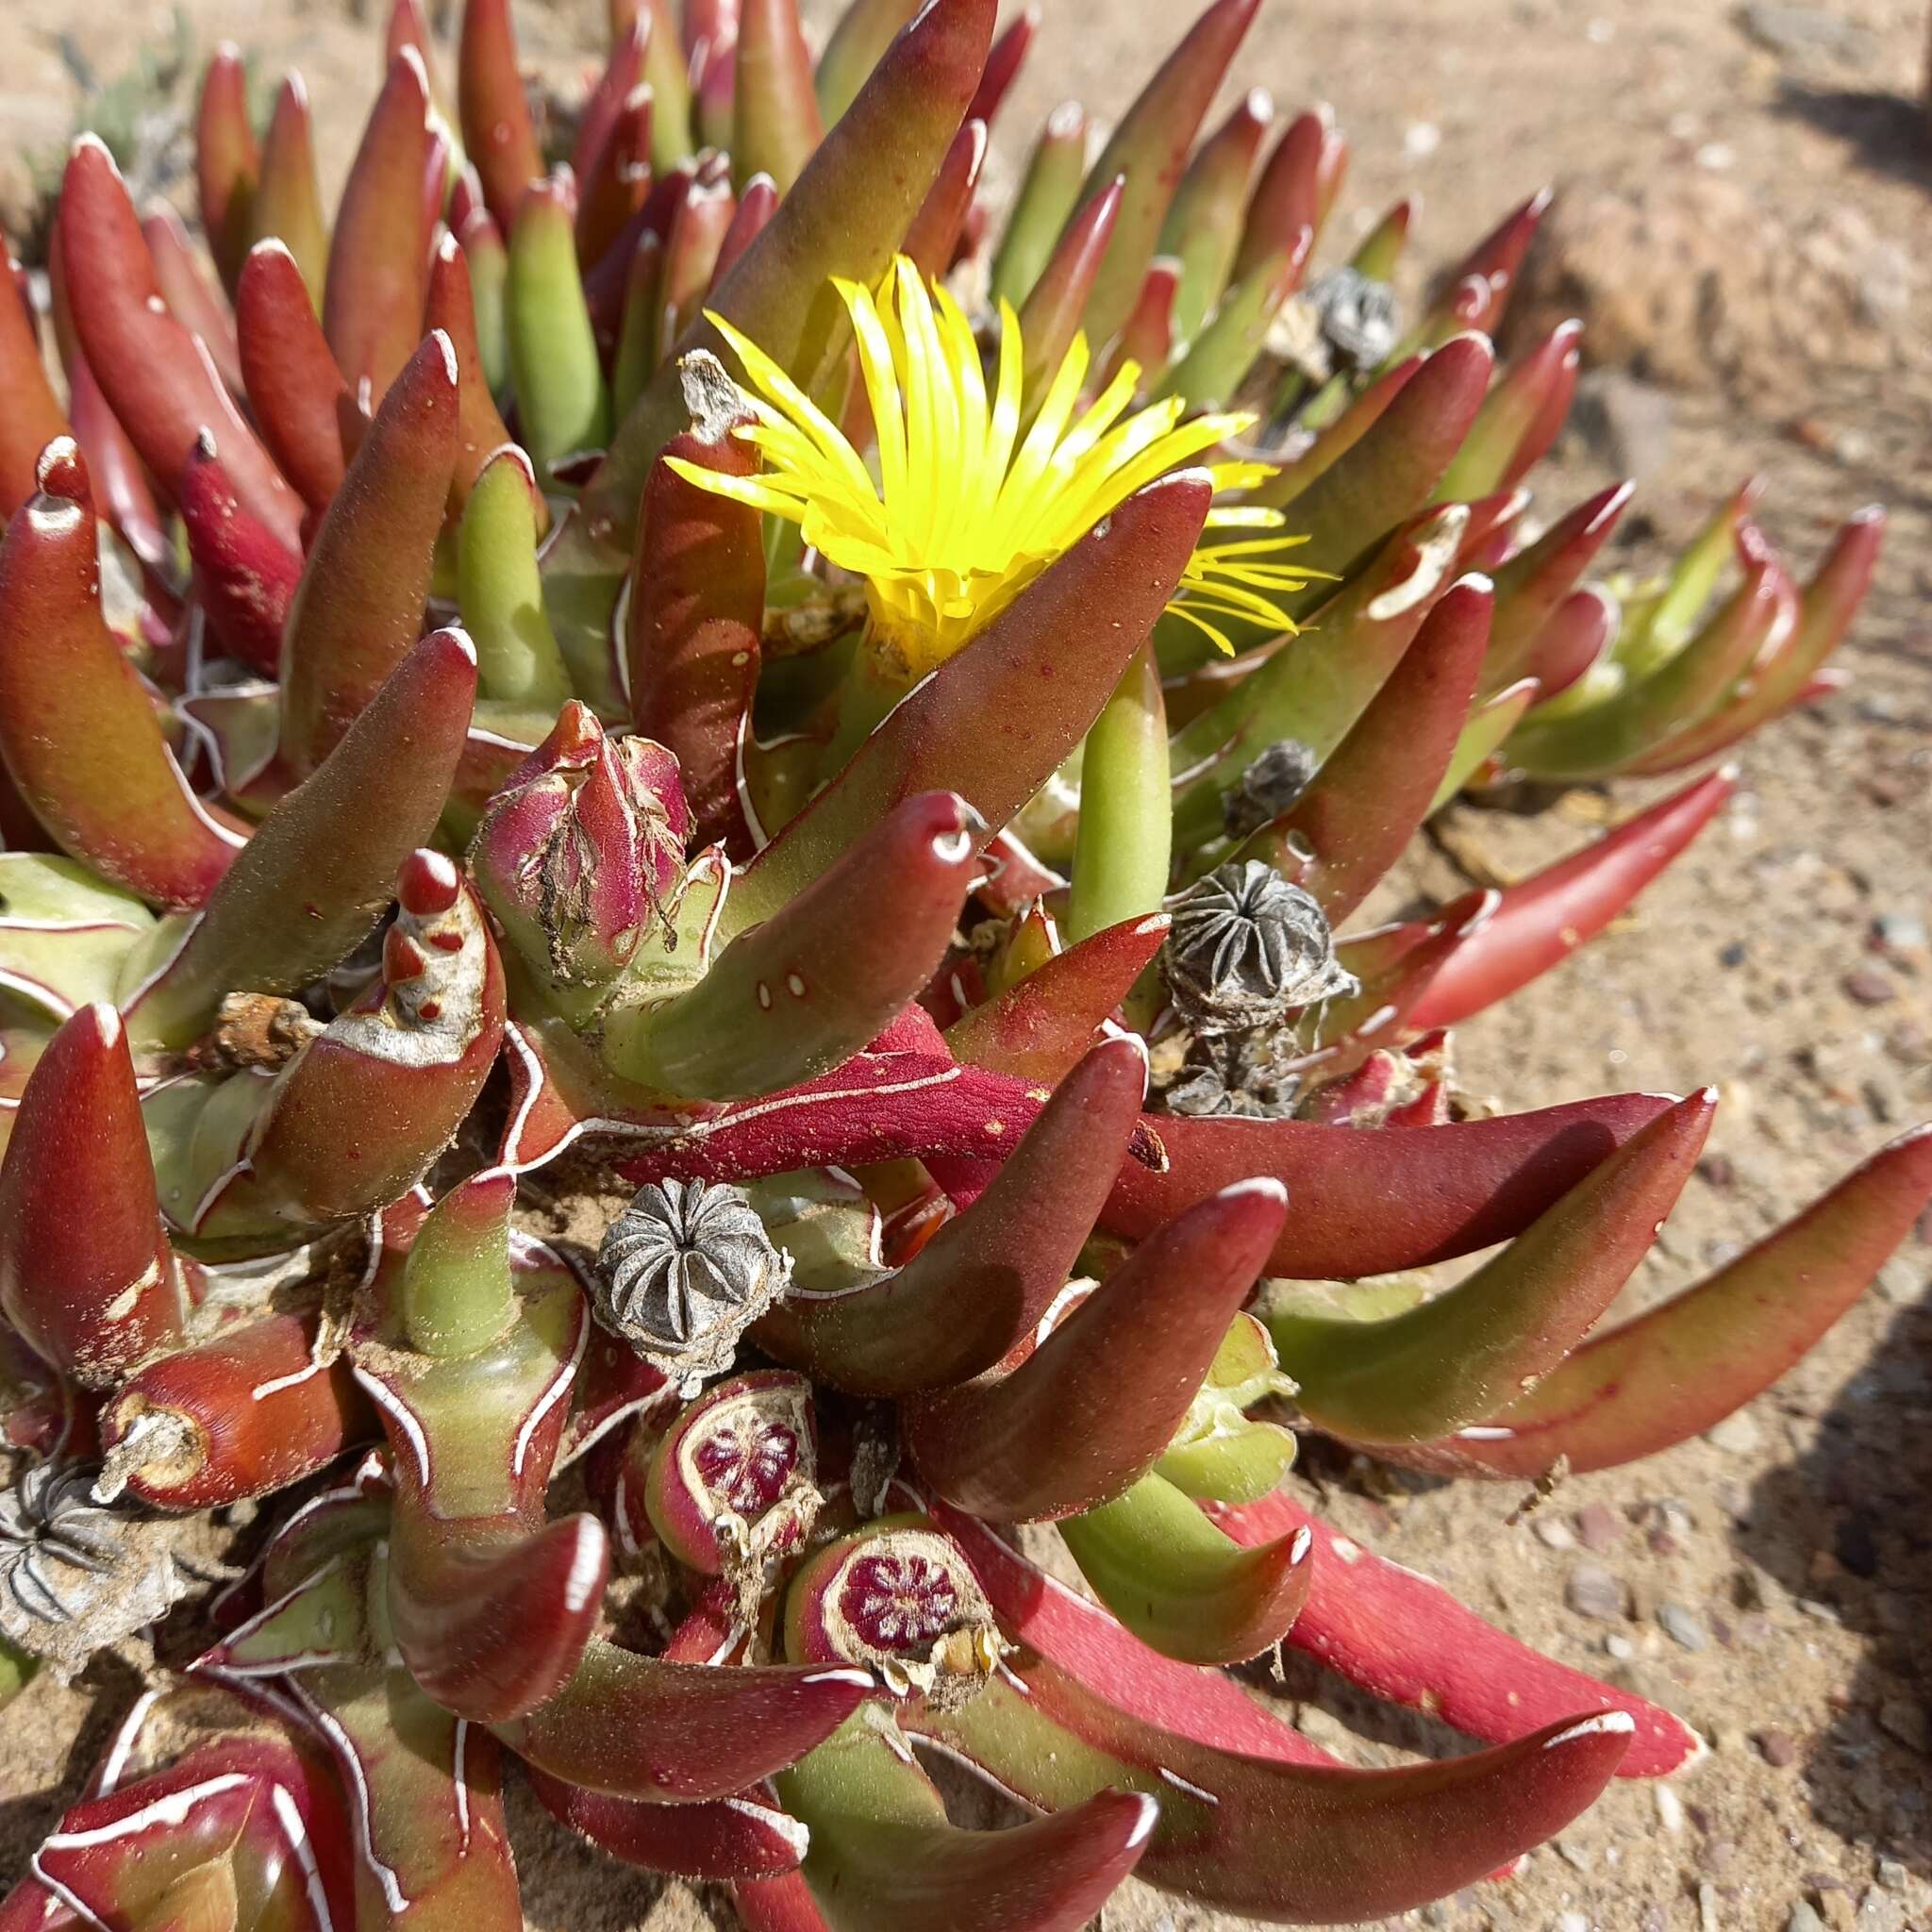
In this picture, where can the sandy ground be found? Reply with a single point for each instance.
(1792, 1555)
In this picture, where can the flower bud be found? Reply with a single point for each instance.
(581, 852)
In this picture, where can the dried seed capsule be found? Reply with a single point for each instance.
(1356, 314)
(77, 1574)
(1247, 947)
(683, 1272)
(1269, 786)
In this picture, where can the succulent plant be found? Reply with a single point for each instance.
(820, 1022)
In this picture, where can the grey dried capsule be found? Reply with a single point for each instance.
(683, 1272)
(75, 1573)
(1246, 948)
(1358, 316)
(1269, 786)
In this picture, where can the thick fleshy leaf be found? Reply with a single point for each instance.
(200, 1798)
(254, 1409)
(160, 384)
(1476, 1347)
(1094, 1406)
(1149, 146)
(1534, 582)
(1038, 1028)
(789, 998)
(352, 1124)
(63, 936)
(933, 234)
(85, 1272)
(776, 121)
(498, 136)
(1123, 840)
(1295, 189)
(1825, 611)
(378, 260)
(1288, 1844)
(192, 299)
(1342, 435)
(638, 1727)
(1050, 318)
(855, 46)
(33, 418)
(1603, 738)
(741, 1838)
(1476, 293)
(562, 407)
(1501, 443)
(604, 107)
(359, 608)
(1203, 229)
(1573, 638)
(1214, 366)
(1182, 1586)
(884, 1856)
(692, 648)
(1406, 1640)
(1680, 1368)
(434, 1848)
(78, 729)
(1542, 919)
(295, 390)
(245, 577)
(1353, 822)
(498, 588)
(471, 1555)
(480, 433)
(1079, 1638)
(1039, 227)
(976, 726)
(1373, 1203)
(1003, 64)
(1393, 467)
(1314, 687)
(226, 159)
(988, 1275)
(322, 865)
(1490, 721)
(288, 201)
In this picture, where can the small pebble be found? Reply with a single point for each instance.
(1778, 1749)
(1619, 1646)
(1575, 1853)
(1804, 1918)
(1594, 1591)
(1891, 1875)
(1682, 1628)
(1899, 932)
(1571, 1922)
(1737, 1435)
(1554, 1533)
(1878, 1911)
(1599, 1525)
(1708, 1920)
(1869, 988)
(1901, 1281)
(1670, 1807)
(1716, 1855)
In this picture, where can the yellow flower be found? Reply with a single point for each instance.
(963, 510)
